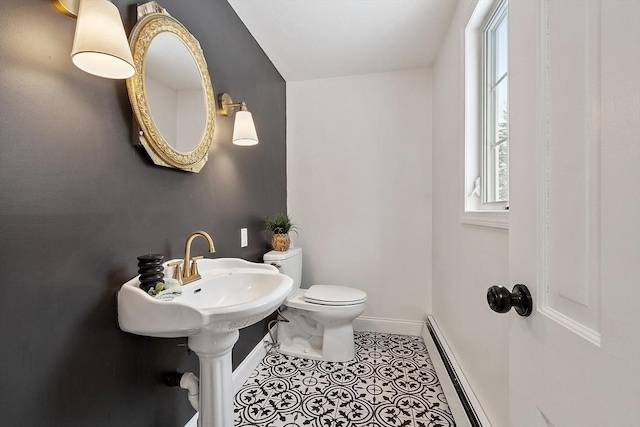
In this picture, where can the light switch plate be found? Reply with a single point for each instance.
(244, 240)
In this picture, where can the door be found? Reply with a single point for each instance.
(574, 234)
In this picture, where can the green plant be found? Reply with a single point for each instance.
(280, 224)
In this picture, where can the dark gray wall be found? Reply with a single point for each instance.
(78, 203)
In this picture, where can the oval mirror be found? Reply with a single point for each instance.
(171, 93)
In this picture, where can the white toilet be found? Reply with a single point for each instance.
(320, 318)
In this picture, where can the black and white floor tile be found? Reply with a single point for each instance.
(390, 383)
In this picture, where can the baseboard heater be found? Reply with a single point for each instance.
(465, 401)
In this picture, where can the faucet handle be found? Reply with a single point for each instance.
(194, 266)
(177, 272)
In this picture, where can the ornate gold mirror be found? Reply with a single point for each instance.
(171, 93)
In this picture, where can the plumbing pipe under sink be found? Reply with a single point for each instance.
(187, 381)
(191, 383)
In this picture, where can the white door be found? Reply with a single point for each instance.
(574, 233)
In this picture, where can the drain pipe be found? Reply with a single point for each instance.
(187, 381)
(273, 324)
(191, 383)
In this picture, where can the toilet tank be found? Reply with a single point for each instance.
(289, 263)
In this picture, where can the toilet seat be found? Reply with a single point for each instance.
(334, 295)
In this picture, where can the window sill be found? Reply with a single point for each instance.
(492, 219)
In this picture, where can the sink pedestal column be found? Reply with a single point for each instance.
(216, 386)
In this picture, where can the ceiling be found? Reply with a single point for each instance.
(313, 39)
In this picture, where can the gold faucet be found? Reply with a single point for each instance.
(188, 271)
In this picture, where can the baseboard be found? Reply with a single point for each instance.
(193, 422)
(455, 405)
(388, 326)
(249, 364)
(242, 372)
(464, 404)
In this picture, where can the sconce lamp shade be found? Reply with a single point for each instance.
(100, 45)
(244, 130)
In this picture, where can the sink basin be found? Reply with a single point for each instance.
(232, 294)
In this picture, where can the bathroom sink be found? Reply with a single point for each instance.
(232, 294)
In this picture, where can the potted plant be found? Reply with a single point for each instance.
(280, 225)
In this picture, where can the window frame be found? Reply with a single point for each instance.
(488, 79)
(474, 211)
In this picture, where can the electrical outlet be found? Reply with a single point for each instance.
(244, 240)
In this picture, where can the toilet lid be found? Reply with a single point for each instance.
(334, 295)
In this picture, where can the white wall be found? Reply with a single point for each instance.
(359, 186)
(467, 259)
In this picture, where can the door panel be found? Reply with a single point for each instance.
(574, 234)
(568, 65)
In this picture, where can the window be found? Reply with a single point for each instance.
(486, 180)
(495, 108)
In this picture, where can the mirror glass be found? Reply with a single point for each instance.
(171, 93)
(175, 92)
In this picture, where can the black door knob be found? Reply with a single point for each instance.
(501, 300)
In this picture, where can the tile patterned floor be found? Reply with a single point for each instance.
(391, 382)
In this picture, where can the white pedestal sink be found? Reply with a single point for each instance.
(232, 294)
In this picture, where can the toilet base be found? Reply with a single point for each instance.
(300, 349)
(304, 337)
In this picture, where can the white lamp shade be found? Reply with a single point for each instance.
(100, 45)
(244, 131)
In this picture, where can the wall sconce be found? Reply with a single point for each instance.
(244, 130)
(100, 45)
